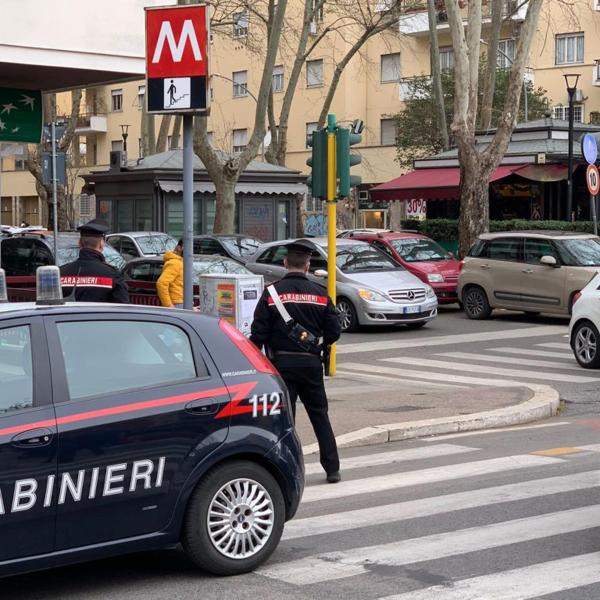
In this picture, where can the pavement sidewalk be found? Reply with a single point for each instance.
(365, 408)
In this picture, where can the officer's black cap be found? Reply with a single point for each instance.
(301, 247)
(94, 228)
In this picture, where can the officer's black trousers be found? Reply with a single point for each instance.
(307, 383)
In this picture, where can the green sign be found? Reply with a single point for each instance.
(21, 115)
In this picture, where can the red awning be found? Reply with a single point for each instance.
(430, 184)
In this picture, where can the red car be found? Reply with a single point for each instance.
(422, 257)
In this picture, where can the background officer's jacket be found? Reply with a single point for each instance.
(308, 304)
(93, 279)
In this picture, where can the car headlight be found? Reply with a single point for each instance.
(429, 292)
(435, 277)
(371, 296)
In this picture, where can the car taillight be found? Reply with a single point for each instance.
(576, 296)
(461, 264)
(257, 359)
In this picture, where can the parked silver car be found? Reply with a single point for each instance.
(372, 289)
(137, 244)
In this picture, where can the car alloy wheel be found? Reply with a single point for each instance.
(476, 304)
(346, 315)
(586, 344)
(240, 518)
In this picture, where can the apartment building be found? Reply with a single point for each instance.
(372, 88)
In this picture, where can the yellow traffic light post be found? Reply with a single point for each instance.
(331, 221)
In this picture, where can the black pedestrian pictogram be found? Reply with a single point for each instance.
(171, 91)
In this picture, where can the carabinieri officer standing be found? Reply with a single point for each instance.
(90, 276)
(295, 319)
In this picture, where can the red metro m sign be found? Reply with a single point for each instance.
(177, 59)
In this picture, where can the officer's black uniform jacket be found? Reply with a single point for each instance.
(93, 279)
(308, 304)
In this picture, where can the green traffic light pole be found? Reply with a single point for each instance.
(331, 221)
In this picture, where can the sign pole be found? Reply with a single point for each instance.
(54, 199)
(331, 223)
(593, 198)
(188, 211)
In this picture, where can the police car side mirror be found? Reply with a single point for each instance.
(320, 273)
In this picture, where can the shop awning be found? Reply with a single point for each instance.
(430, 184)
(207, 187)
(545, 173)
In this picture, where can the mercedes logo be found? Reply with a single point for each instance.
(411, 295)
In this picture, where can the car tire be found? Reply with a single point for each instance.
(416, 325)
(222, 496)
(347, 315)
(586, 342)
(476, 304)
(532, 313)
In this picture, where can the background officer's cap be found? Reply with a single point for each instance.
(301, 247)
(94, 228)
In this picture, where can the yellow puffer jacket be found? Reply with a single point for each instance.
(170, 283)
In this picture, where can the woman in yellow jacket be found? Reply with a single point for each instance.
(170, 283)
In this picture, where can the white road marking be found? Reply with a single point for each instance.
(423, 507)
(517, 584)
(342, 564)
(393, 380)
(386, 458)
(411, 373)
(533, 352)
(556, 345)
(483, 369)
(441, 340)
(451, 436)
(370, 485)
(513, 361)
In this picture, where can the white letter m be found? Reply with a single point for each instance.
(166, 33)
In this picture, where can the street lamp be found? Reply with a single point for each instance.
(571, 80)
(124, 134)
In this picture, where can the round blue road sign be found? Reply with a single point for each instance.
(589, 148)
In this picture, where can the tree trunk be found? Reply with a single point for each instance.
(436, 76)
(489, 85)
(163, 134)
(176, 131)
(225, 215)
(148, 133)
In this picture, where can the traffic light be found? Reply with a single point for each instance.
(346, 159)
(317, 181)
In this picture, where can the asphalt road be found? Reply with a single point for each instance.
(455, 517)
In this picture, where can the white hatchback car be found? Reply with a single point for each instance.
(585, 325)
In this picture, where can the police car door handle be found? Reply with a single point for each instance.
(33, 438)
(202, 406)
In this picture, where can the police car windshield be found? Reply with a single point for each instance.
(156, 244)
(241, 246)
(363, 259)
(68, 251)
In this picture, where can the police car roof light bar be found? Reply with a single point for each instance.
(48, 286)
(3, 291)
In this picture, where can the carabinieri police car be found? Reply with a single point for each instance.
(126, 428)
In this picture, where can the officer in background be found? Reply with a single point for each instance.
(296, 321)
(90, 277)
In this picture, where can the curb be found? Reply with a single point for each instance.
(544, 404)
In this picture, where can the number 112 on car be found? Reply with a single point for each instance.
(266, 405)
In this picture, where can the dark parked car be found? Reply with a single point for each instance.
(238, 247)
(135, 244)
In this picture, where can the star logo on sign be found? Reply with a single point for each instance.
(6, 108)
(15, 129)
(27, 100)
(2, 125)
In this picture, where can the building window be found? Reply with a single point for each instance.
(116, 145)
(19, 164)
(506, 53)
(597, 69)
(569, 48)
(314, 73)
(240, 84)
(318, 10)
(278, 78)
(240, 140)
(390, 68)
(388, 132)
(446, 60)
(562, 113)
(116, 100)
(240, 25)
(310, 129)
(141, 96)
(85, 205)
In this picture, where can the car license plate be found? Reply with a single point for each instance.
(412, 309)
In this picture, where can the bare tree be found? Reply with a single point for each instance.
(34, 159)
(485, 116)
(436, 75)
(223, 169)
(476, 166)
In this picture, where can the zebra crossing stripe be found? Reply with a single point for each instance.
(517, 584)
(529, 352)
(370, 485)
(556, 345)
(342, 564)
(451, 436)
(513, 361)
(385, 458)
(472, 368)
(423, 507)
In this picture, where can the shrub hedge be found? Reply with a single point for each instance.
(447, 229)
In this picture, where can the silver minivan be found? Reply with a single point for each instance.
(372, 289)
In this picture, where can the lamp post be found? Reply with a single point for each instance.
(124, 135)
(571, 81)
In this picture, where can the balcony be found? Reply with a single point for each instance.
(90, 123)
